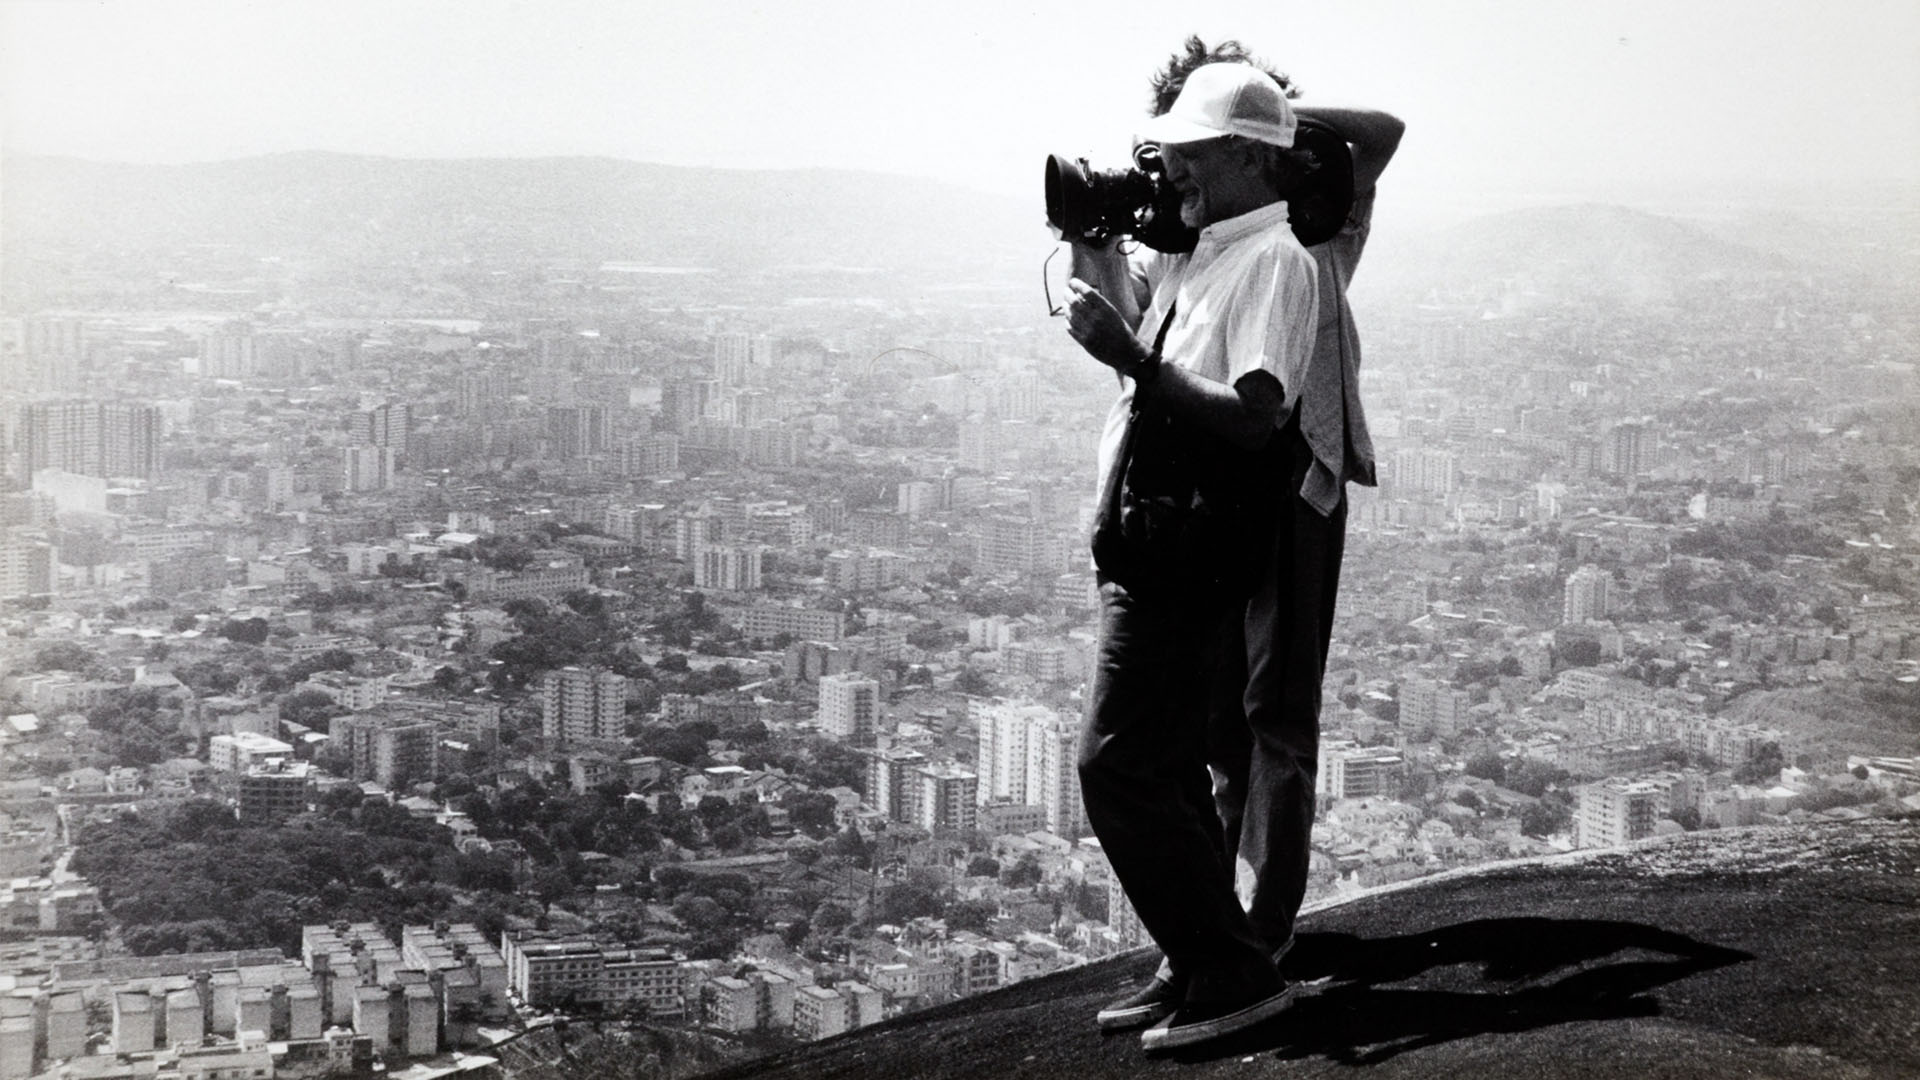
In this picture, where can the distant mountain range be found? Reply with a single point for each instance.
(588, 209)
(487, 212)
(1590, 250)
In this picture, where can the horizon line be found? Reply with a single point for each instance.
(1455, 181)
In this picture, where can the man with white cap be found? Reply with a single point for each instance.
(1224, 330)
(1263, 750)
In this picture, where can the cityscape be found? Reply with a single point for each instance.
(440, 633)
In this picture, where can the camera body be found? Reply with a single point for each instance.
(1096, 205)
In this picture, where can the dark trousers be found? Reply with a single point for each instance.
(1144, 777)
(1265, 754)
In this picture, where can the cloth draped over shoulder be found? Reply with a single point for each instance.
(1331, 419)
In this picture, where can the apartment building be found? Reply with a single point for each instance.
(548, 972)
(1027, 755)
(583, 703)
(1614, 812)
(849, 708)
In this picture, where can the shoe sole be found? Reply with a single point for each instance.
(1129, 1019)
(1164, 1037)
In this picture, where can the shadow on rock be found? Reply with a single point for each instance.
(1474, 978)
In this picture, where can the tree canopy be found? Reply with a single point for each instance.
(191, 878)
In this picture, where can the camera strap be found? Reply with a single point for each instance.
(1159, 339)
(1123, 454)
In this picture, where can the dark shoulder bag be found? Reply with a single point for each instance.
(1185, 516)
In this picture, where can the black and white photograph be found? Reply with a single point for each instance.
(1242, 540)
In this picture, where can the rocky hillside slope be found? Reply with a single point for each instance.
(1789, 951)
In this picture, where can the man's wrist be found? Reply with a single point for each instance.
(1144, 370)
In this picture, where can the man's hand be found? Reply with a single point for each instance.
(1099, 328)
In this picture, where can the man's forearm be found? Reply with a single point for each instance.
(1374, 136)
(1244, 414)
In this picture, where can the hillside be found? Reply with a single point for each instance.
(366, 209)
(1593, 252)
(1881, 718)
(1779, 952)
(356, 210)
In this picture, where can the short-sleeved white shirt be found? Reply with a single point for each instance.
(1246, 299)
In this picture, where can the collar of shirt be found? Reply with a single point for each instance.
(1221, 233)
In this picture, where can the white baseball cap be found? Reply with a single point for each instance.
(1225, 99)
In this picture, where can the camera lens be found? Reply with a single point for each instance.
(1062, 174)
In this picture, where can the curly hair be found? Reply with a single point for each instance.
(1287, 170)
(1193, 53)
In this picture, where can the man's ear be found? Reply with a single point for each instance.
(1263, 160)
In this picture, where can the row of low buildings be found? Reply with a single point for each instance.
(162, 1010)
(50, 693)
(430, 988)
(924, 962)
(42, 905)
(30, 1034)
(765, 999)
(575, 973)
(571, 972)
(1622, 809)
(353, 996)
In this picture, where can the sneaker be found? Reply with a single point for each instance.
(1152, 1002)
(1196, 1022)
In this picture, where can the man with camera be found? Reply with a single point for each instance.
(1264, 755)
(1209, 341)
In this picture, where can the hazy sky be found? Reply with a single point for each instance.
(1569, 97)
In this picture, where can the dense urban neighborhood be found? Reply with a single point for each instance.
(426, 656)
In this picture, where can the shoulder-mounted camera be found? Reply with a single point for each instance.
(1096, 205)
